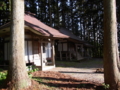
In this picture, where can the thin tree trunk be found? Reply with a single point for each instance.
(50, 14)
(58, 24)
(111, 71)
(17, 73)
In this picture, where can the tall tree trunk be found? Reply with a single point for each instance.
(111, 69)
(63, 13)
(58, 24)
(50, 13)
(17, 73)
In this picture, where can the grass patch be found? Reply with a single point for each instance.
(91, 63)
(3, 75)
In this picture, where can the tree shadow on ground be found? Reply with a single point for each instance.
(80, 72)
(60, 79)
(71, 84)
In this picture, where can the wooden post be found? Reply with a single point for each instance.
(60, 56)
(7, 51)
(28, 51)
(32, 48)
(3, 49)
(41, 55)
(68, 50)
(53, 53)
(82, 50)
(70, 56)
(60, 52)
(39, 49)
(76, 52)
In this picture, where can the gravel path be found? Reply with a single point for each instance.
(82, 73)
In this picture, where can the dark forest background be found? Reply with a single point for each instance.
(84, 18)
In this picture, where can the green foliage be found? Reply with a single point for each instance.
(2, 5)
(3, 75)
(37, 79)
(106, 86)
(30, 75)
(31, 70)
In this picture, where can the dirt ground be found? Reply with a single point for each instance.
(51, 80)
(69, 76)
(85, 74)
(59, 81)
(85, 70)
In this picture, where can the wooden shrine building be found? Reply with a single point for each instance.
(42, 43)
(71, 48)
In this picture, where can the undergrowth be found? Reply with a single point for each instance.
(3, 74)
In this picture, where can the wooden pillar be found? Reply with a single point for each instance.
(53, 53)
(32, 48)
(60, 51)
(66, 53)
(7, 50)
(70, 55)
(3, 49)
(60, 55)
(41, 55)
(76, 51)
(69, 52)
(28, 51)
(39, 49)
(82, 50)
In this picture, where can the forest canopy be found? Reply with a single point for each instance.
(84, 18)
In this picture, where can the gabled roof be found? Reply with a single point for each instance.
(44, 29)
(69, 33)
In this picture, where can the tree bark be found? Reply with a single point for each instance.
(17, 73)
(111, 55)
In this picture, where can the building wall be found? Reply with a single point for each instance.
(66, 50)
(32, 50)
(36, 53)
(62, 46)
